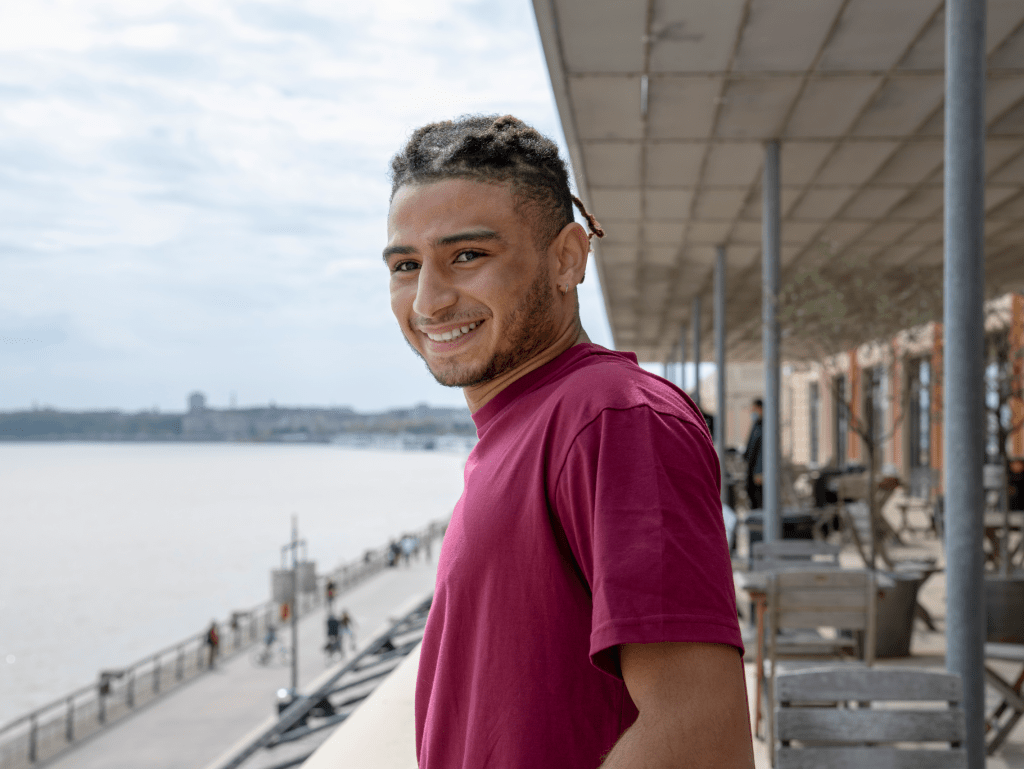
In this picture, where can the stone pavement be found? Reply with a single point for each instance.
(195, 724)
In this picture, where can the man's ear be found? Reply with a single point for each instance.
(571, 249)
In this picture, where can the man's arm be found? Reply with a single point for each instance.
(693, 708)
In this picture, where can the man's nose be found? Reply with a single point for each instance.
(435, 292)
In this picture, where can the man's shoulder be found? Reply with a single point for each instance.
(608, 380)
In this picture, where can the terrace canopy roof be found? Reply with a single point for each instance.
(666, 105)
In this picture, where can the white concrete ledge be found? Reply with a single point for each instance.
(381, 733)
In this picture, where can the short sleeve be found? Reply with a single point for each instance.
(638, 498)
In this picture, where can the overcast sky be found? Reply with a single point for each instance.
(193, 193)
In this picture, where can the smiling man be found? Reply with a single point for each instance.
(584, 608)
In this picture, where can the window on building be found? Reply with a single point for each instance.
(842, 419)
(814, 399)
(919, 422)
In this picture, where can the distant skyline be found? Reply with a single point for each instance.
(193, 193)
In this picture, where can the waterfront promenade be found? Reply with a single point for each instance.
(191, 727)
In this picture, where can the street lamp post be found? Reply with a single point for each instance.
(293, 547)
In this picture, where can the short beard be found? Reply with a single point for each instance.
(532, 327)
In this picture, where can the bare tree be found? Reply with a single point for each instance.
(830, 308)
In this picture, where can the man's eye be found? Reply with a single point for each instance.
(406, 266)
(467, 256)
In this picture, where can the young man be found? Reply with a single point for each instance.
(584, 608)
(755, 485)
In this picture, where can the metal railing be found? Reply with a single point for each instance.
(50, 730)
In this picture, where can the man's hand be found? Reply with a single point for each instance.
(693, 708)
(758, 479)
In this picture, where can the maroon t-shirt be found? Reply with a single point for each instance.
(591, 517)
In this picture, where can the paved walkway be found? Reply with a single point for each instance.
(195, 724)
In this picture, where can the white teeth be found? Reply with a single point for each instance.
(455, 333)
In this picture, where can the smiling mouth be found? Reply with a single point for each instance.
(455, 333)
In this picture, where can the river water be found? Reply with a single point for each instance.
(111, 551)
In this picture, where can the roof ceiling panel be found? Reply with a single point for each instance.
(912, 163)
(668, 204)
(1009, 236)
(828, 106)
(681, 107)
(821, 204)
(926, 232)
(873, 34)
(619, 258)
(1011, 123)
(615, 203)
(1008, 206)
(663, 233)
(901, 106)
(799, 161)
(607, 107)
(620, 231)
(1010, 53)
(756, 109)
(741, 256)
(598, 32)
(699, 261)
(733, 164)
(855, 162)
(672, 164)
(784, 38)
(898, 255)
(1011, 173)
(612, 164)
(841, 233)
(660, 256)
(796, 233)
(929, 51)
(693, 37)
(748, 232)
(708, 232)
(1002, 94)
(998, 151)
(719, 204)
(920, 204)
(887, 232)
(1002, 17)
(874, 202)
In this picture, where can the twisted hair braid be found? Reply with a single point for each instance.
(495, 149)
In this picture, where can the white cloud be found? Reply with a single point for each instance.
(198, 188)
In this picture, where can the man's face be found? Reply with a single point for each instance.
(473, 295)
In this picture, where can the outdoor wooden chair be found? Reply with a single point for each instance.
(855, 514)
(801, 604)
(1004, 717)
(830, 717)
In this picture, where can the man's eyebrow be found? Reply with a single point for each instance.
(390, 250)
(462, 237)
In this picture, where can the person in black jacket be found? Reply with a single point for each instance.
(755, 489)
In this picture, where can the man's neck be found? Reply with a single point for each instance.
(480, 395)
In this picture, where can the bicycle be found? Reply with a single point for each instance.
(267, 655)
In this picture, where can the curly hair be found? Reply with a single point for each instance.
(495, 149)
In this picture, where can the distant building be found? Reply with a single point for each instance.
(196, 402)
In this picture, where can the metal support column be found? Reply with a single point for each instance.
(720, 365)
(696, 350)
(963, 367)
(682, 358)
(770, 247)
